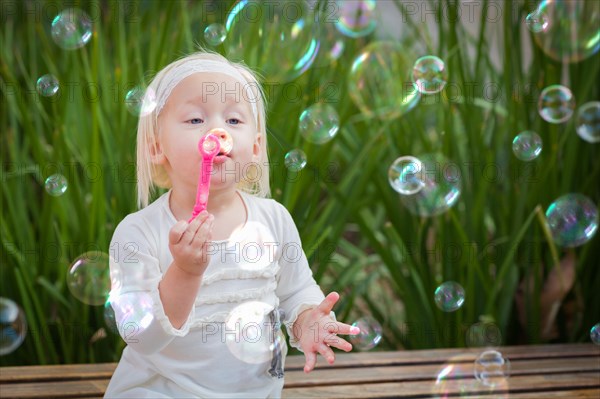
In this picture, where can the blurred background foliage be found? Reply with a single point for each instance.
(361, 239)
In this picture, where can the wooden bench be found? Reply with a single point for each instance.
(546, 371)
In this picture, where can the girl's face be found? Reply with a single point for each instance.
(199, 103)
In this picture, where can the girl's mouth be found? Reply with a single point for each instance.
(219, 159)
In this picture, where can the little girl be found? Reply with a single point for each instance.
(200, 303)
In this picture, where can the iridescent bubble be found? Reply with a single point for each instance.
(56, 185)
(88, 278)
(319, 123)
(455, 375)
(429, 74)
(251, 337)
(379, 81)
(556, 104)
(71, 29)
(258, 31)
(406, 175)
(47, 85)
(355, 18)
(140, 101)
(483, 334)
(595, 334)
(369, 336)
(491, 368)
(295, 160)
(527, 145)
(331, 42)
(571, 33)
(13, 326)
(441, 189)
(255, 243)
(536, 22)
(449, 296)
(588, 122)
(572, 219)
(133, 313)
(109, 317)
(215, 34)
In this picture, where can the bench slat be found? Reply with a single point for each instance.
(540, 385)
(429, 373)
(343, 360)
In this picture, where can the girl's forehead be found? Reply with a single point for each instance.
(210, 86)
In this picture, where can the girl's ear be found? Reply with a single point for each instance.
(156, 154)
(257, 147)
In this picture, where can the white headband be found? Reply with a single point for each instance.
(178, 73)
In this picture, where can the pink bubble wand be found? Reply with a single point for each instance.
(209, 147)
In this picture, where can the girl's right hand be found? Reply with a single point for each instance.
(188, 243)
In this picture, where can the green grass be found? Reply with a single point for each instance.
(359, 237)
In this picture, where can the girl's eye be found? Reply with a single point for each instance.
(234, 121)
(195, 121)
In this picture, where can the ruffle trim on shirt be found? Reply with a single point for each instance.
(160, 315)
(235, 274)
(239, 296)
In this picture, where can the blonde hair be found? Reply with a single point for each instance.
(150, 175)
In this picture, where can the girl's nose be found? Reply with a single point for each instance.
(225, 140)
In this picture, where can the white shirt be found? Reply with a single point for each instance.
(223, 350)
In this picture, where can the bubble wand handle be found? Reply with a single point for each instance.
(209, 147)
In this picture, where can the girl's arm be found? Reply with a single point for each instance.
(181, 281)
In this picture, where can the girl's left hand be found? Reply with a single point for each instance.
(316, 332)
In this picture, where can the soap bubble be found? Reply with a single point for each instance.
(331, 42)
(369, 336)
(449, 296)
(295, 160)
(56, 185)
(429, 74)
(278, 39)
(88, 278)
(483, 334)
(319, 123)
(491, 368)
(251, 336)
(13, 326)
(47, 85)
(595, 334)
(441, 189)
(140, 101)
(215, 34)
(572, 219)
(71, 29)
(527, 145)
(133, 313)
(536, 22)
(379, 81)
(588, 122)
(256, 251)
(571, 31)
(556, 104)
(406, 175)
(356, 18)
(455, 375)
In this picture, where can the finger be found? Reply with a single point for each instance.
(177, 232)
(193, 228)
(311, 361)
(328, 303)
(204, 230)
(343, 328)
(338, 342)
(327, 353)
